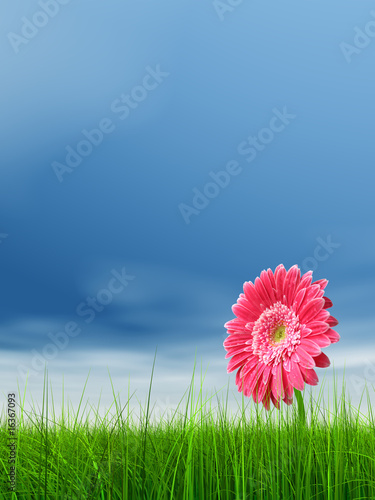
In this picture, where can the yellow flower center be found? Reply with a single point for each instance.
(279, 334)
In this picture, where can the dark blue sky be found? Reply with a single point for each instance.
(181, 92)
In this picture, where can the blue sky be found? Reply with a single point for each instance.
(193, 145)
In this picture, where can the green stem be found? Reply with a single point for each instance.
(301, 408)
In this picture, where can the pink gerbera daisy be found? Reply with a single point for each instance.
(281, 325)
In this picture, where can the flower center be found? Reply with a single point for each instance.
(279, 333)
(276, 334)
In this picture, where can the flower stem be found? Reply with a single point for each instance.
(301, 408)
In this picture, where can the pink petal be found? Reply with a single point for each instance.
(242, 385)
(288, 401)
(280, 274)
(321, 339)
(333, 336)
(298, 299)
(253, 377)
(271, 278)
(318, 327)
(275, 401)
(313, 292)
(235, 339)
(306, 360)
(249, 326)
(290, 284)
(261, 388)
(304, 370)
(321, 283)
(322, 361)
(295, 377)
(265, 400)
(277, 386)
(266, 404)
(237, 361)
(305, 331)
(254, 299)
(279, 269)
(328, 302)
(239, 375)
(310, 377)
(287, 385)
(287, 364)
(310, 310)
(265, 389)
(332, 321)
(243, 313)
(266, 374)
(262, 292)
(294, 357)
(305, 281)
(310, 347)
(243, 301)
(233, 351)
(264, 276)
(230, 348)
(235, 324)
(322, 315)
(252, 363)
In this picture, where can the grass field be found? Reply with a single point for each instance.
(192, 455)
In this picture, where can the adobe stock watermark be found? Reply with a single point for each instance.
(88, 309)
(322, 251)
(39, 20)
(163, 410)
(3, 237)
(249, 148)
(359, 383)
(222, 7)
(122, 107)
(362, 39)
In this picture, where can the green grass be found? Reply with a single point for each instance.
(192, 455)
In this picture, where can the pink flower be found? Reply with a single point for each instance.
(275, 340)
